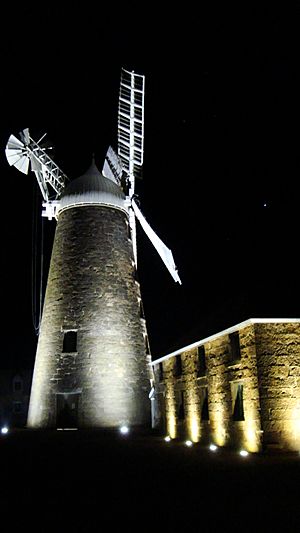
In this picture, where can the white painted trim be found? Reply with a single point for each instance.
(227, 331)
(89, 204)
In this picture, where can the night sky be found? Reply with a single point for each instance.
(221, 167)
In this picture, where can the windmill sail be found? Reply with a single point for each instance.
(131, 156)
(164, 252)
(112, 167)
(131, 124)
(16, 154)
(20, 153)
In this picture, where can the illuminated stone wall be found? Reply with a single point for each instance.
(189, 386)
(223, 376)
(278, 358)
(267, 374)
(92, 290)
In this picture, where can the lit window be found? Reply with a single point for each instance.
(201, 361)
(204, 403)
(160, 372)
(180, 405)
(238, 402)
(235, 351)
(70, 341)
(178, 366)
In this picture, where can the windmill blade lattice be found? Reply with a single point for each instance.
(17, 155)
(112, 167)
(20, 153)
(131, 124)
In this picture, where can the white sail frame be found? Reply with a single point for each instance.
(131, 124)
(164, 252)
(19, 153)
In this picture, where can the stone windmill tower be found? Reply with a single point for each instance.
(92, 362)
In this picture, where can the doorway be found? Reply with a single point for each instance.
(67, 409)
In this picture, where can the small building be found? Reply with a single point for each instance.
(237, 388)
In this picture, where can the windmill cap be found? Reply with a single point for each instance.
(92, 188)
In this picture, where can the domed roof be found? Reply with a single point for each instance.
(92, 188)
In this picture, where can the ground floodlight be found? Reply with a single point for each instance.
(244, 453)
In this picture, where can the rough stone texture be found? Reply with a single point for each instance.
(92, 289)
(268, 369)
(278, 362)
(223, 376)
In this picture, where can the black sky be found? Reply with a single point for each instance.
(221, 169)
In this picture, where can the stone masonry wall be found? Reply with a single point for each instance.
(278, 360)
(223, 376)
(92, 290)
(220, 379)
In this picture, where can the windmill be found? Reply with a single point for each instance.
(25, 152)
(92, 362)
